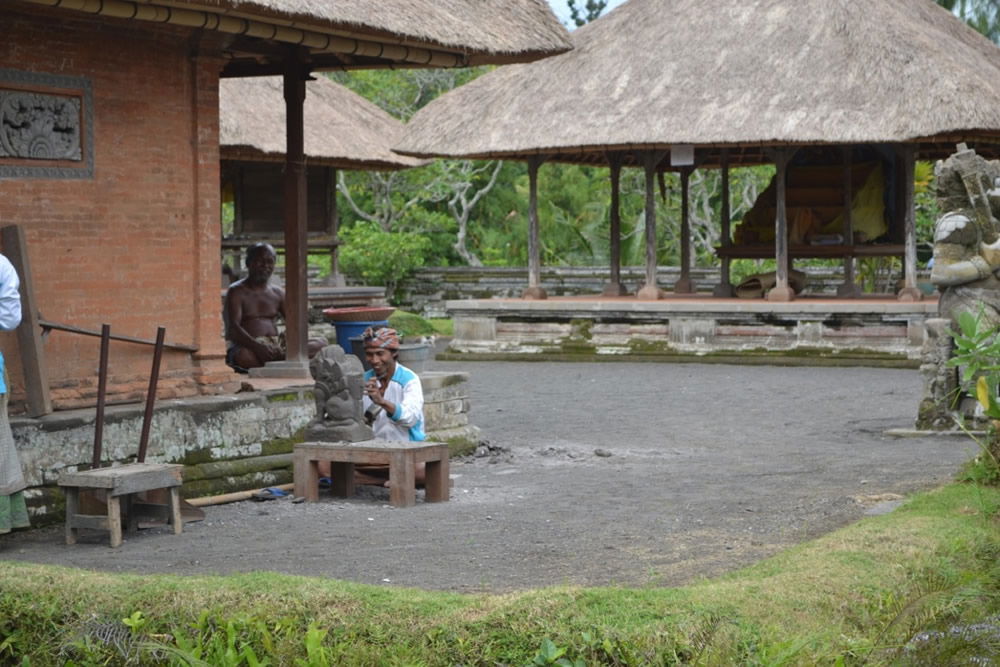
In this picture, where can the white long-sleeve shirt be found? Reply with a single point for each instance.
(407, 394)
(10, 306)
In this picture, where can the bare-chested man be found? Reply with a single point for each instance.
(253, 306)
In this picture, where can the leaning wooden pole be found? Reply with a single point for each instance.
(534, 289)
(781, 291)
(154, 376)
(102, 388)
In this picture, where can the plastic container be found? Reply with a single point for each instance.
(348, 330)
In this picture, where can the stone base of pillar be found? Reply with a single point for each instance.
(614, 289)
(723, 290)
(534, 293)
(283, 369)
(684, 286)
(649, 293)
(781, 293)
(848, 291)
(909, 295)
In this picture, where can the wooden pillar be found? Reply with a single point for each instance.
(534, 289)
(906, 158)
(684, 284)
(650, 159)
(333, 228)
(29, 332)
(614, 286)
(848, 288)
(725, 286)
(296, 298)
(781, 291)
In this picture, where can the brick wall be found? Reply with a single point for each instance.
(137, 245)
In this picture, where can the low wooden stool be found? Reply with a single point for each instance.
(401, 457)
(120, 483)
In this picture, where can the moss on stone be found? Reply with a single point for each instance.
(283, 445)
(283, 396)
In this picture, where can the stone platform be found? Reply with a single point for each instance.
(865, 330)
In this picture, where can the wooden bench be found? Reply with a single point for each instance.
(119, 484)
(401, 457)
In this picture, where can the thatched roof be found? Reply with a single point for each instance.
(342, 129)
(487, 30)
(737, 73)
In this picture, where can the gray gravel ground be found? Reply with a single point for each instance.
(596, 474)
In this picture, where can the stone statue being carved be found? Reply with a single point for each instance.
(966, 264)
(338, 391)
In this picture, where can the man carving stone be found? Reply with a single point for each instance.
(252, 309)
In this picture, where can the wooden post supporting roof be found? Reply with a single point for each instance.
(910, 292)
(650, 159)
(296, 301)
(781, 291)
(534, 289)
(684, 284)
(848, 288)
(29, 333)
(725, 286)
(614, 286)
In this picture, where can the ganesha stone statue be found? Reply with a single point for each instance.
(338, 392)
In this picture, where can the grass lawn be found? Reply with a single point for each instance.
(856, 596)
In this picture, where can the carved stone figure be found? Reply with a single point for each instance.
(338, 391)
(966, 263)
(967, 236)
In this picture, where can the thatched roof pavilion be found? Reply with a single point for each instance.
(355, 33)
(342, 129)
(737, 80)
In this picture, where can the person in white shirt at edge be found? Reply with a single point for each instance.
(394, 396)
(13, 510)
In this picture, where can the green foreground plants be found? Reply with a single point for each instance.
(857, 596)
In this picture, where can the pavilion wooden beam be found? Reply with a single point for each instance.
(684, 284)
(725, 286)
(534, 289)
(650, 159)
(614, 286)
(906, 158)
(781, 291)
(848, 289)
(333, 228)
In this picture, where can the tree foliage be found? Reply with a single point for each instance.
(587, 11)
(982, 15)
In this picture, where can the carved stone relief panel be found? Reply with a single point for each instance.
(46, 128)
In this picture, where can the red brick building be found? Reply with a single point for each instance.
(109, 156)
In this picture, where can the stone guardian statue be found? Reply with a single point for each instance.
(338, 392)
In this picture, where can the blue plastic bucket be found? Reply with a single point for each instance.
(348, 330)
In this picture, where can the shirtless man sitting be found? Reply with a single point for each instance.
(252, 308)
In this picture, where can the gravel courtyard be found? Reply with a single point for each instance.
(624, 473)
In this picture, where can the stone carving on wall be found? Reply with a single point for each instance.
(338, 392)
(966, 263)
(46, 126)
(38, 126)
